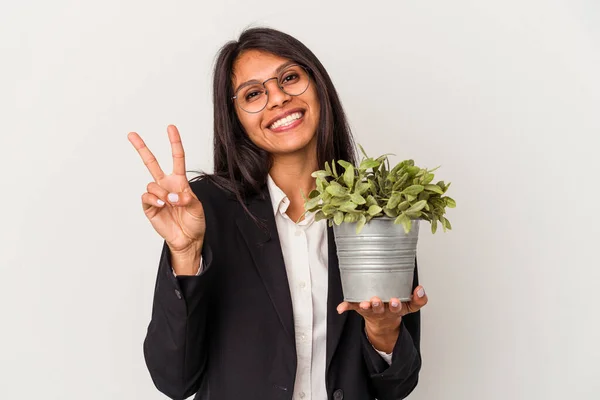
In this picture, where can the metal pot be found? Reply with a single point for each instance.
(379, 261)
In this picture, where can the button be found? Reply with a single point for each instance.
(302, 285)
(302, 395)
(178, 294)
(338, 394)
(303, 337)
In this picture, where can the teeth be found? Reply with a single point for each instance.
(286, 120)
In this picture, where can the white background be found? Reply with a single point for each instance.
(504, 95)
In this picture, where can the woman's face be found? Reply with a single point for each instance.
(267, 128)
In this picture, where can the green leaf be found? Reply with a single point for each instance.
(313, 194)
(434, 189)
(405, 221)
(328, 168)
(320, 215)
(398, 185)
(369, 163)
(390, 213)
(338, 218)
(450, 202)
(374, 210)
(394, 200)
(321, 174)
(424, 195)
(363, 151)
(351, 217)
(371, 201)
(329, 209)
(320, 185)
(403, 206)
(362, 220)
(446, 224)
(410, 197)
(334, 169)
(433, 226)
(349, 176)
(347, 206)
(413, 190)
(345, 164)
(312, 203)
(357, 198)
(413, 214)
(427, 178)
(336, 190)
(418, 206)
(361, 187)
(338, 201)
(413, 170)
(372, 186)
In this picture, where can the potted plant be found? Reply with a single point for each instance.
(376, 212)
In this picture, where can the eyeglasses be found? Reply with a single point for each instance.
(253, 98)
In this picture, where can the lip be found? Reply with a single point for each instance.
(285, 114)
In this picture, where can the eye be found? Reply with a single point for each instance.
(290, 77)
(253, 94)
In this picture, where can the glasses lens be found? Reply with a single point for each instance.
(294, 80)
(252, 98)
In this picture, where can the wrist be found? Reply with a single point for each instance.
(383, 338)
(390, 328)
(187, 261)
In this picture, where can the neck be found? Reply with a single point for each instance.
(292, 173)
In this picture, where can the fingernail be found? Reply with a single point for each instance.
(160, 202)
(173, 197)
(394, 304)
(421, 292)
(375, 304)
(364, 307)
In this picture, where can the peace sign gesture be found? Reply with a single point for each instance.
(169, 203)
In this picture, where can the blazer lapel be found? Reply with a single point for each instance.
(335, 321)
(265, 249)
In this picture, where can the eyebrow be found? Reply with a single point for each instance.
(277, 72)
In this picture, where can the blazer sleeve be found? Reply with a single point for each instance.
(398, 380)
(176, 343)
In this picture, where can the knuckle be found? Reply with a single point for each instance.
(150, 160)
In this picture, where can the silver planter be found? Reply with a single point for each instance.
(379, 261)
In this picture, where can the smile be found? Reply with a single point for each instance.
(287, 121)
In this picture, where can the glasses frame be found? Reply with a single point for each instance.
(235, 97)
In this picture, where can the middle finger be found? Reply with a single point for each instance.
(377, 305)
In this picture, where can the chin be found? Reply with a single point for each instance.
(293, 143)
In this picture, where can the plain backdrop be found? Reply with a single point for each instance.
(504, 95)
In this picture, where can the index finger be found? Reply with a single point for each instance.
(147, 156)
(176, 150)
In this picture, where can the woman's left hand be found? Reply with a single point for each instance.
(382, 320)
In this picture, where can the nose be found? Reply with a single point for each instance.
(276, 96)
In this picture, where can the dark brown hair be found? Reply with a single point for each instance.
(241, 167)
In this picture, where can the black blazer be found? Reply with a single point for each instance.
(228, 334)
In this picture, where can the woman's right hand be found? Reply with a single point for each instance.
(169, 203)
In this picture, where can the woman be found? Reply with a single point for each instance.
(248, 301)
